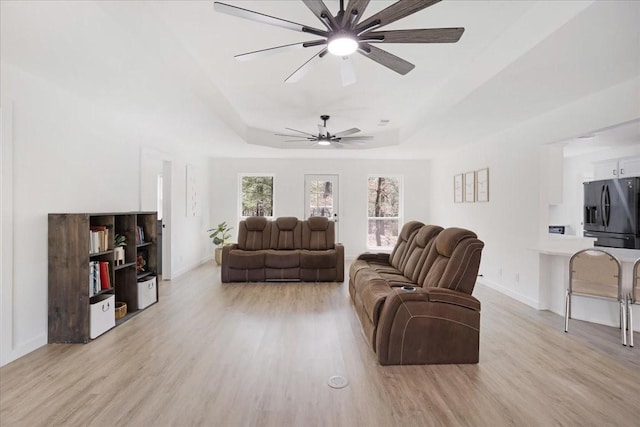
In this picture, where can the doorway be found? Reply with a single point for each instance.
(321, 197)
(155, 195)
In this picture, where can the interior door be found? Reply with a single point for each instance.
(321, 197)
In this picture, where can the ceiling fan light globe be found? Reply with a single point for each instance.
(342, 45)
(324, 142)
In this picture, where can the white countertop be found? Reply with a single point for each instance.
(564, 245)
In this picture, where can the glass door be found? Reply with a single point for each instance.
(321, 197)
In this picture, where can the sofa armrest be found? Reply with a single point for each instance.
(339, 247)
(224, 268)
(377, 257)
(448, 296)
(428, 326)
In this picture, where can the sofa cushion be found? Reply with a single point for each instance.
(453, 260)
(416, 253)
(254, 233)
(281, 259)
(318, 259)
(373, 296)
(255, 223)
(399, 251)
(246, 260)
(318, 233)
(286, 233)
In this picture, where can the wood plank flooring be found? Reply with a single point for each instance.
(212, 354)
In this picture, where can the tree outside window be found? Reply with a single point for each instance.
(321, 195)
(257, 196)
(383, 211)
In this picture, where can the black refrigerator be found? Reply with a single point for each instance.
(611, 212)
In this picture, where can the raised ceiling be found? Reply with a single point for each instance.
(168, 66)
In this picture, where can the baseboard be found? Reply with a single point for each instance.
(25, 348)
(190, 267)
(510, 293)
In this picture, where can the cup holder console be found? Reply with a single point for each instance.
(409, 288)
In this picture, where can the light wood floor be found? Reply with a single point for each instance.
(261, 354)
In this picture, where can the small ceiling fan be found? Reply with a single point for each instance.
(345, 34)
(323, 137)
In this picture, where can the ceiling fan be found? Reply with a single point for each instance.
(345, 34)
(323, 137)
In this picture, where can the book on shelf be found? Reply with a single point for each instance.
(95, 284)
(105, 280)
(99, 238)
(139, 235)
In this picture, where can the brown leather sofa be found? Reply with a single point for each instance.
(415, 304)
(284, 249)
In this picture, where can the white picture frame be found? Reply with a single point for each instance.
(470, 187)
(458, 188)
(482, 185)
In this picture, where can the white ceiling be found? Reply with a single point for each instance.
(167, 68)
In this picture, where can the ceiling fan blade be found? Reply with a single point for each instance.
(290, 136)
(352, 142)
(304, 68)
(347, 72)
(299, 131)
(297, 140)
(256, 54)
(385, 58)
(394, 12)
(355, 10)
(337, 145)
(347, 132)
(265, 19)
(425, 35)
(320, 10)
(357, 138)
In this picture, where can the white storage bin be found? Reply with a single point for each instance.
(102, 315)
(147, 293)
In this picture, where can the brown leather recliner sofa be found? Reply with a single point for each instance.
(284, 249)
(415, 304)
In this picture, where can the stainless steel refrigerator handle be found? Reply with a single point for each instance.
(607, 206)
(603, 214)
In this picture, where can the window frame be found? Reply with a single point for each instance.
(239, 193)
(400, 216)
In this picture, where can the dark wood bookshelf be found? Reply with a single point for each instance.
(70, 298)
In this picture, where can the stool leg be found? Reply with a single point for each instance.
(623, 326)
(630, 314)
(567, 307)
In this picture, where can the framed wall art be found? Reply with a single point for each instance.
(482, 185)
(457, 189)
(470, 187)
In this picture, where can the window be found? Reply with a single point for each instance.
(257, 195)
(384, 211)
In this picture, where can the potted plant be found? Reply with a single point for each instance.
(219, 236)
(119, 242)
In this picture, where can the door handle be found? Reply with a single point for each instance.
(621, 171)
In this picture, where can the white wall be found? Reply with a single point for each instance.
(289, 190)
(69, 156)
(515, 220)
